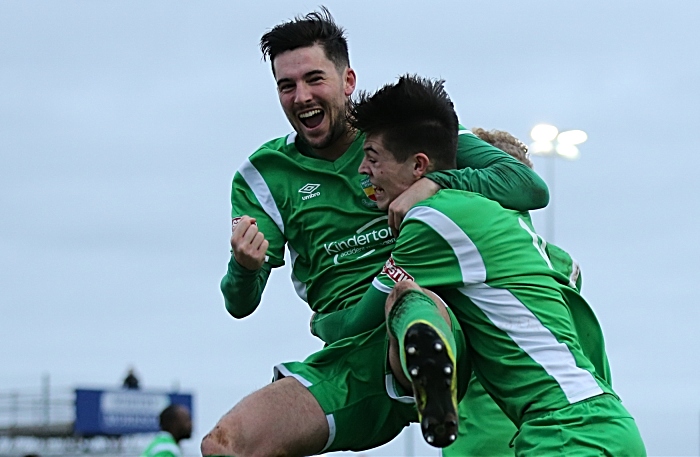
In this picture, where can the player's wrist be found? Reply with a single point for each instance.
(238, 269)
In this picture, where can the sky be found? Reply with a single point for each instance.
(122, 124)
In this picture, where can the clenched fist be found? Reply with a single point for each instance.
(249, 244)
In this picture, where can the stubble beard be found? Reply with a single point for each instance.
(338, 128)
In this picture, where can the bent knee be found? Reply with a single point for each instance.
(231, 438)
(216, 443)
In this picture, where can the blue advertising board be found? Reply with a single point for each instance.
(122, 411)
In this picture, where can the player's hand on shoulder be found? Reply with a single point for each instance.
(248, 244)
(419, 191)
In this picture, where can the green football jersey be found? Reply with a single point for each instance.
(163, 445)
(493, 270)
(325, 212)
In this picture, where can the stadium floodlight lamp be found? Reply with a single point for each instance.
(568, 151)
(548, 141)
(544, 132)
(541, 147)
(551, 144)
(572, 137)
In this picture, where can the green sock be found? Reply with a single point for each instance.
(412, 307)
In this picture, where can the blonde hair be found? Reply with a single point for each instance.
(505, 142)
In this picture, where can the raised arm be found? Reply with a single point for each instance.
(257, 246)
(487, 170)
(484, 169)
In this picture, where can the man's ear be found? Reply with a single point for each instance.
(350, 81)
(421, 164)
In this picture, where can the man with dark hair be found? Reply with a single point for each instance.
(175, 425)
(484, 429)
(303, 191)
(490, 266)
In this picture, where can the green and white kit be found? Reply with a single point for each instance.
(326, 214)
(516, 310)
(338, 240)
(163, 445)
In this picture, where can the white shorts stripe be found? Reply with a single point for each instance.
(390, 384)
(280, 371)
(331, 431)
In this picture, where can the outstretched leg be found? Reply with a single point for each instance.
(281, 419)
(422, 352)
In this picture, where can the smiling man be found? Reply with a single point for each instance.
(489, 265)
(304, 191)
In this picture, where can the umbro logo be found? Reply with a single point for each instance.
(310, 191)
(309, 188)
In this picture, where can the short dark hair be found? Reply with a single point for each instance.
(317, 27)
(413, 115)
(169, 417)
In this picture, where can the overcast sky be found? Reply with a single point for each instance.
(122, 123)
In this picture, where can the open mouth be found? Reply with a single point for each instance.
(311, 118)
(377, 190)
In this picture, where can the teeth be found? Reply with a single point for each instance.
(309, 113)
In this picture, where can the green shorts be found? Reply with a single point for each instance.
(598, 426)
(351, 380)
(484, 429)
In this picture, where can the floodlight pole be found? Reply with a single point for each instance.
(551, 143)
(551, 172)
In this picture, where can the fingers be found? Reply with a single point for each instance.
(419, 191)
(249, 244)
(241, 225)
(396, 214)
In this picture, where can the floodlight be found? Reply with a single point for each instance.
(544, 132)
(568, 151)
(572, 137)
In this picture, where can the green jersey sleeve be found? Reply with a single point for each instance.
(365, 315)
(421, 256)
(244, 202)
(487, 170)
(242, 289)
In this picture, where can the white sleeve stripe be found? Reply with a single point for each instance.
(470, 262)
(465, 132)
(381, 287)
(510, 315)
(259, 187)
